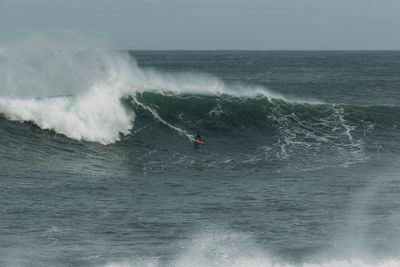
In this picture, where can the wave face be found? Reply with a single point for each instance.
(256, 130)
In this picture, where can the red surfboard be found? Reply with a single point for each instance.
(201, 143)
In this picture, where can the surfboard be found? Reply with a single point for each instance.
(201, 143)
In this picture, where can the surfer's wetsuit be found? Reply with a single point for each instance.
(198, 137)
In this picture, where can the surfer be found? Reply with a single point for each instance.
(197, 140)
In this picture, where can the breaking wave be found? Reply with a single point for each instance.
(76, 88)
(87, 92)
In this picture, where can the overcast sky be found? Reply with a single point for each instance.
(211, 24)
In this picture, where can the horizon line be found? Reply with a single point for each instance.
(267, 50)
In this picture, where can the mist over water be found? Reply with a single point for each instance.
(98, 168)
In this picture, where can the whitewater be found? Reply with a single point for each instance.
(98, 167)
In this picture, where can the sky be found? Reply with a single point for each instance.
(211, 24)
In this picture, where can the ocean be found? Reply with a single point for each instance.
(300, 165)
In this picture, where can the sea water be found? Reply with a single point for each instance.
(300, 165)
